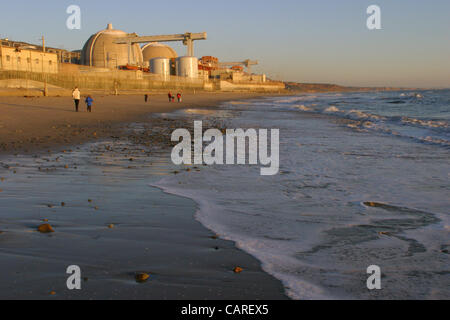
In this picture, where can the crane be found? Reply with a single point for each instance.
(246, 63)
(187, 38)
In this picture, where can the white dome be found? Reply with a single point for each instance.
(101, 51)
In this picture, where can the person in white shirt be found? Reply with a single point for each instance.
(76, 94)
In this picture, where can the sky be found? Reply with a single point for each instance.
(315, 41)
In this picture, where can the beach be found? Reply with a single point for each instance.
(363, 181)
(89, 176)
(38, 123)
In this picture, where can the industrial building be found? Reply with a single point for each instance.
(64, 56)
(142, 58)
(22, 56)
(101, 51)
(157, 50)
(17, 59)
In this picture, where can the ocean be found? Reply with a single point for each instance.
(364, 180)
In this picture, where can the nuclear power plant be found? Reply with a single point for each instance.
(123, 57)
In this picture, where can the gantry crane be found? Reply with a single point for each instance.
(246, 63)
(187, 38)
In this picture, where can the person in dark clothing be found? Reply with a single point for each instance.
(89, 101)
(170, 96)
(146, 98)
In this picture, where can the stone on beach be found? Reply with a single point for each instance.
(45, 228)
(238, 270)
(141, 277)
(373, 204)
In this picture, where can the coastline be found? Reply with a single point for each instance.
(184, 259)
(35, 124)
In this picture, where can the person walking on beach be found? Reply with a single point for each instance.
(170, 96)
(89, 101)
(179, 97)
(76, 94)
(146, 98)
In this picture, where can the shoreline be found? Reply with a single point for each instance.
(187, 262)
(129, 227)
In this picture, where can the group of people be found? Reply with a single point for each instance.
(76, 94)
(172, 97)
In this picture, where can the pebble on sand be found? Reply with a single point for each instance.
(238, 270)
(141, 277)
(45, 228)
(373, 204)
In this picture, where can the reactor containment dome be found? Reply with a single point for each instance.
(101, 51)
(157, 50)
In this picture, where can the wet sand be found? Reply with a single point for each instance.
(35, 124)
(107, 218)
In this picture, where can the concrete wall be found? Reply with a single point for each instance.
(27, 60)
(262, 87)
(108, 81)
(244, 77)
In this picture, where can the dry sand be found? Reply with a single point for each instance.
(33, 124)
